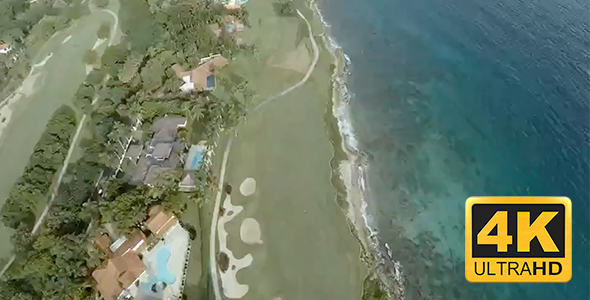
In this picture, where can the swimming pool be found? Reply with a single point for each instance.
(162, 276)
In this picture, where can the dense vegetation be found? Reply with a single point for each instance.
(373, 289)
(132, 79)
(284, 7)
(32, 187)
(25, 26)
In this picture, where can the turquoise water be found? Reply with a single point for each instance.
(460, 98)
(162, 273)
(210, 81)
(197, 160)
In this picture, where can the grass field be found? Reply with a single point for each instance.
(308, 251)
(57, 81)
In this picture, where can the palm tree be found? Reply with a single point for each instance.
(120, 133)
(198, 112)
(165, 183)
(107, 160)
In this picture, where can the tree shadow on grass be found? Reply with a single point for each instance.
(284, 8)
(195, 292)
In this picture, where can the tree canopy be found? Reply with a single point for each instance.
(133, 78)
(104, 31)
(32, 187)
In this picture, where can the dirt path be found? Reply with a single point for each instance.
(316, 56)
(213, 233)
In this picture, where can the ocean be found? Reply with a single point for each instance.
(457, 98)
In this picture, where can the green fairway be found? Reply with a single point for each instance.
(307, 249)
(54, 81)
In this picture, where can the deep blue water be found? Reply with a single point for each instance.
(456, 98)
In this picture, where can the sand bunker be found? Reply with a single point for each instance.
(231, 287)
(250, 232)
(248, 187)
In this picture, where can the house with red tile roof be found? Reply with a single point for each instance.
(160, 221)
(4, 48)
(202, 78)
(124, 266)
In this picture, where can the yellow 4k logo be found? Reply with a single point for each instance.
(527, 232)
(518, 239)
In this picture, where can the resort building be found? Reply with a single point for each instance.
(161, 154)
(160, 221)
(5, 48)
(136, 270)
(124, 266)
(201, 78)
(118, 274)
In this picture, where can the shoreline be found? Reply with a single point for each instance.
(352, 168)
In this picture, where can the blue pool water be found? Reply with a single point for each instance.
(162, 273)
(210, 81)
(457, 98)
(197, 160)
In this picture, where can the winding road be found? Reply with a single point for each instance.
(215, 219)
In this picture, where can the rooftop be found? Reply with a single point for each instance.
(188, 182)
(166, 128)
(118, 273)
(202, 78)
(134, 152)
(140, 171)
(160, 221)
(157, 274)
(103, 242)
(162, 151)
(136, 242)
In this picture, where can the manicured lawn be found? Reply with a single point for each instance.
(308, 251)
(53, 88)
